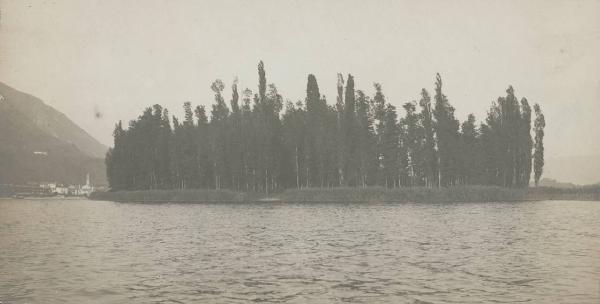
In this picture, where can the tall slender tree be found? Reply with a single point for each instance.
(446, 130)
(390, 149)
(469, 154)
(218, 124)
(378, 109)
(525, 145)
(538, 156)
(314, 142)
(415, 143)
(366, 149)
(349, 130)
(340, 130)
(430, 155)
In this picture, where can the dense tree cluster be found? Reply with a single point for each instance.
(254, 144)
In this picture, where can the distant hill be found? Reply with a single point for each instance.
(552, 183)
(40, 144)
(52, 121)
(580, 170)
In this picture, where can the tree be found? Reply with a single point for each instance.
(390, 147)
(339, 107)
(538, 156)
(349, 130)
(469, 153)
(234, 144)
(508, 141)
(315, 111)
(525, 145)
(218, 123)
(446, 130)
(162, 154)
(365, 141)
(511, 125)
(204, 149)
(414, 142)
(249, 156)
(429, 162)
(378, 114)
(294, 134)
(185, 139)
(273, 155)
(116, 171)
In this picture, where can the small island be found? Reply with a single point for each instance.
(358, 150)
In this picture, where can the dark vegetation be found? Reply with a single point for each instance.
(259, 143)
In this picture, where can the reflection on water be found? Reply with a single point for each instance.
(78, 251)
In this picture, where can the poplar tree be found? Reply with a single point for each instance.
(414, 142)
(429, 162)
(538, 156)
(366, 144)
(294, 134)
(511, 125)
(349, 130)
(203, 149)
(273, 154)
(218, 123)
(163, 176)
(249, 157)
(525, 144)
(378, 109)
(188, 168)
(340, 138)
(446, 130)
(234, 145)
(390, 149)
(314, 140)
(469, 153)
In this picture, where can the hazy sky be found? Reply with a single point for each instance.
(117, 57)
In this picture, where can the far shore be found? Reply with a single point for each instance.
(40, 198)
(356, 195)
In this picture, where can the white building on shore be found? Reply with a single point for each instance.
(86, 189)
(74, 190)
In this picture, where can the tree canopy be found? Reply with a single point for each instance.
(262, 143)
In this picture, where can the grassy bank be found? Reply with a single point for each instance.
(413, 194)
(441, 195)
(370, 194)
(174, 196)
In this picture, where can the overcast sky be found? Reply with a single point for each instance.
(117, 57)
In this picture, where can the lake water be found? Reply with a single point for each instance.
(79, 251)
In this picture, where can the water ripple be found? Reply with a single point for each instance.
(101, 252)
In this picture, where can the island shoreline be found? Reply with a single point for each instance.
(460, 194)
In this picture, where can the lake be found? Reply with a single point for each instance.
(79, 251)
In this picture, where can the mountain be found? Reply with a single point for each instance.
(52, 121)
(581, 170)
(40, 144)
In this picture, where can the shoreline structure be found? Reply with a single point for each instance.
(356, 195)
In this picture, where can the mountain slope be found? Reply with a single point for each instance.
(52, 121)
(29, 153)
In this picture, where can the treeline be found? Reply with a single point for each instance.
(260, 143)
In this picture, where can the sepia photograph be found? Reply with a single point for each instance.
(299, 151)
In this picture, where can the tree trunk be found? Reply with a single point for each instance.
(297, 170)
